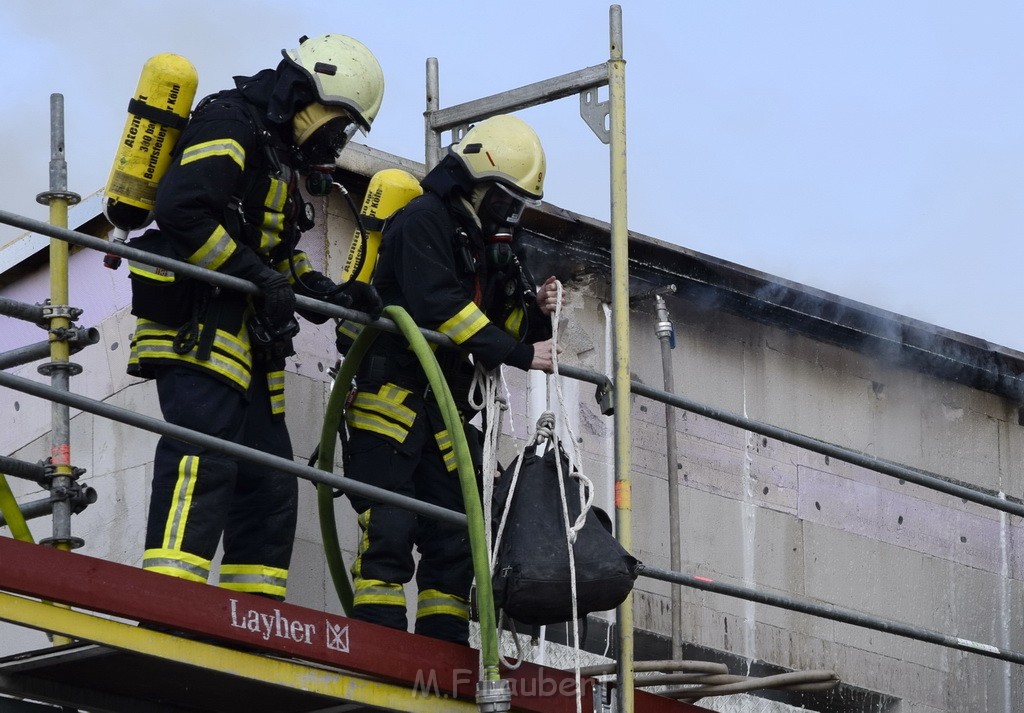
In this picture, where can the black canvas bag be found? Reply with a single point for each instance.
(532, 582)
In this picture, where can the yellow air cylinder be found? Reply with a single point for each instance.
(389, 190)
(156, 115)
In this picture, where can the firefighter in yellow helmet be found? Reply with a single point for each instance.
(450, 258)
(230, 202)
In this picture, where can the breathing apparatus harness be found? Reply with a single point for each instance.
(319, 182)
(498, 217)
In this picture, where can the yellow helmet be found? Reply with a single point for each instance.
(344, 72)
(505, 149)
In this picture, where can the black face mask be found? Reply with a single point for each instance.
(326, 143)
(500, 209)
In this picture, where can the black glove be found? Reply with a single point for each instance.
(277, 301)
(364, 298)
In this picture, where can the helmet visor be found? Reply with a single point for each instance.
(326, 143)
(503, 206)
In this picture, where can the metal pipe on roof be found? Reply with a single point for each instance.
(666, 335)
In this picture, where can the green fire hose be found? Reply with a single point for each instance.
(467, 478)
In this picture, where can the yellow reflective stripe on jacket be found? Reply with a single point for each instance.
(273, 217)
(176, 563)
(468, 321)
(220, 147)
(275, 386)
(444, 444)
(277, 196)
(514, 322)
(350, 330)
(432, 602)
(299, 261)
(230, 357)
(254, 578)
(382, 412)
(215, 251)
(181, 503)
(159, 274)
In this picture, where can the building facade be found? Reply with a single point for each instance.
(754, 510)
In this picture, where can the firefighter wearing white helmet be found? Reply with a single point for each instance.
(450, 257)
(230, 202)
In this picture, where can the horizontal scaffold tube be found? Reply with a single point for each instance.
(199, 273)
(77, 337)
(252, 455)
(22, 310)
(832, 612)
(35, 472)
(912, 475)
(879, 465)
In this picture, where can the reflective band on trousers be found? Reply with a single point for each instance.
(254, 578)
(181, 503)
(177, 564)
(374, 591)
(444, 444)
(432, 602)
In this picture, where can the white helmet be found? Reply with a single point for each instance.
(505, 149)
(344, 72)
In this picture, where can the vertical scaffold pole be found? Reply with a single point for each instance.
(60, 316)
(620, 354)
(432, 139)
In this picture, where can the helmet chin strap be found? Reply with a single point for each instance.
(471, 208)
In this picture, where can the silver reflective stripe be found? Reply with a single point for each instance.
(221, 147)
(253, 578)
(467, 321)
(215, 251)
(171, 563)
(188, 467)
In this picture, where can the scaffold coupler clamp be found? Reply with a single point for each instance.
(493, 696)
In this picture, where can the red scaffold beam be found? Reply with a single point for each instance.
(252, 622)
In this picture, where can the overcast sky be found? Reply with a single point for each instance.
(872, 149)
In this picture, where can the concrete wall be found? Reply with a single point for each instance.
(754, 511)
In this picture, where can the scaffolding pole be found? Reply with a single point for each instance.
(60, 314)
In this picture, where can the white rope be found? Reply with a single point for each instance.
(586, 493)
(483, 396)
(544, 433)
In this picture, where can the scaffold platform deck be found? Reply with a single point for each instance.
(147, 642)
